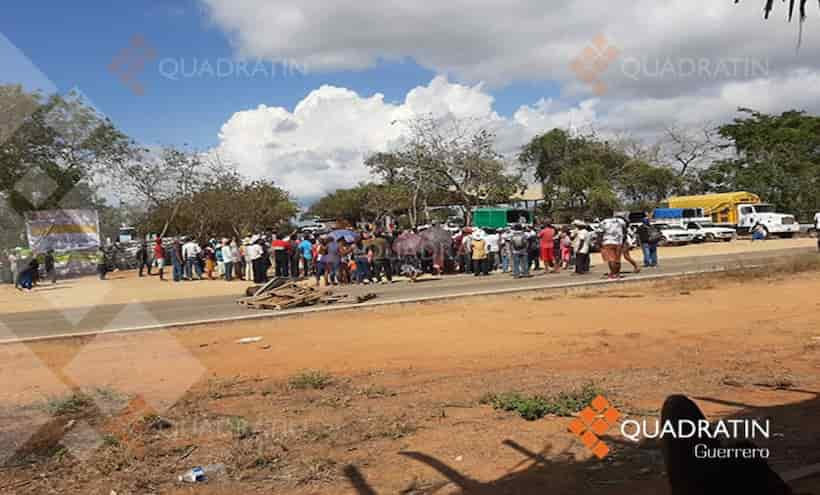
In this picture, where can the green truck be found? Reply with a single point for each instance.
(500, 218)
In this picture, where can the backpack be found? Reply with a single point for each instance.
(519, 242)
(654, 235)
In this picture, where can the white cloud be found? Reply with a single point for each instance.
(321, 145)
(500, 41)
(722, 56)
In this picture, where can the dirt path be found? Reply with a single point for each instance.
(408, 379)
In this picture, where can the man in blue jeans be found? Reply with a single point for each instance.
(520, 257)
(649, 236)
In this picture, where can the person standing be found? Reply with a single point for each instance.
(306, 255)
(493, 240)
(547, 242)
(295, 255)
(159, 258)
(534, 248)
(817, 228)
(649, 236)
(14, 267)
(143, 260)
(380, 253)
(582, 246)
(465, 251)
(190, 253)
(50, 265)
(227, 260)
(480, 255)
(102, 263)
(281, 256)
(210, 261)
(177, 260)
(331, 260)
(565, 241)
(520, 246)
(506, 252)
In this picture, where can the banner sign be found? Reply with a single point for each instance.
(63, 230)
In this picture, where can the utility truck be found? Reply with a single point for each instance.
(740, 210)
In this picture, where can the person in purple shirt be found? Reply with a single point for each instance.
(331, 262)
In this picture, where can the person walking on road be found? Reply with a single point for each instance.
(613, 231)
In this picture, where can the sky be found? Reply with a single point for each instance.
(300, 91)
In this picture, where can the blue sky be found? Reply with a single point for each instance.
(73, 43)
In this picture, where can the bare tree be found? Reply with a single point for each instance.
(687, 148)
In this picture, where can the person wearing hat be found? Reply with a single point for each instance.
(479, 254)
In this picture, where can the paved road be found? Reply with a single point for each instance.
(47, 323)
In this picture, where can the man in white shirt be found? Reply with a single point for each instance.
(581, 246)
(613, 232)
(190, 252)
(493, 242)
(227, 260)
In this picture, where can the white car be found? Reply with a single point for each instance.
(674, 235)
(709, 232)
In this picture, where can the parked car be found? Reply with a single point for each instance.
(675, 235)
(709, 232)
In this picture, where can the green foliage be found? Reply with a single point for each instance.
(585, 177)
(532, 407)
(239, 427)
(776, 157)
(310, 379)
(73, 403)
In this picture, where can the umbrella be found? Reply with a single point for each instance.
(348, 235)
(407, 244)
(436, 237)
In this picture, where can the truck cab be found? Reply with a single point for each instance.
(779, 224)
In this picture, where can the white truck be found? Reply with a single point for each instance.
(742, 211)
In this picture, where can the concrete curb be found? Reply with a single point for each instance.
(373, 304)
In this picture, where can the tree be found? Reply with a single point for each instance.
(449, 156)
(230, 208)
(51, 149)
(368, 202)
(583, 176)
(775, 156)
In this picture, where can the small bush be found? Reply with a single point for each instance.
(536, 407)
(240, 427)
(316, 380)
(74, 403)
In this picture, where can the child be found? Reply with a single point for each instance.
(566, 247)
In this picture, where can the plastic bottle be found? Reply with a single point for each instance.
(200, 474)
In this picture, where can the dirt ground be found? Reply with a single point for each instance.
(125, 287)
(394, 404)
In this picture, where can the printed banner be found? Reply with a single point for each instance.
(63, 230)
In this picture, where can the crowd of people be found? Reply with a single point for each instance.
(372, 255)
